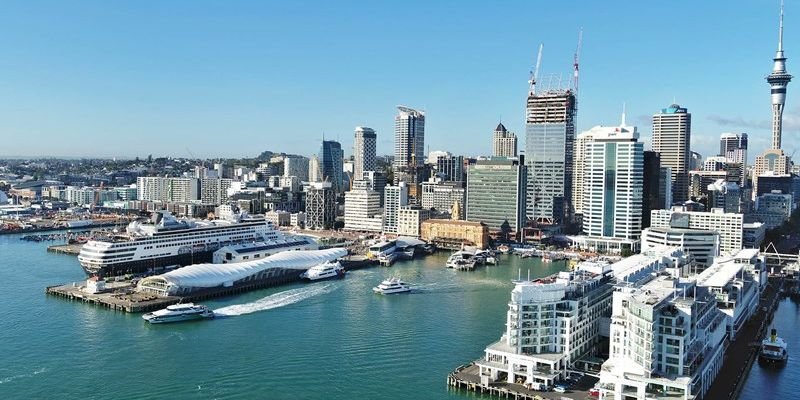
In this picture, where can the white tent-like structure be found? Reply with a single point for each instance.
(195, 277)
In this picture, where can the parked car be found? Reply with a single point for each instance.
(559, 389)
(594, 392)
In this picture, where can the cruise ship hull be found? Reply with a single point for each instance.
(151, 266)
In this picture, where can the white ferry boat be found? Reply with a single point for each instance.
(326, 270)
(165, 240)
(773, 348)
(178, 313)
(392, 286)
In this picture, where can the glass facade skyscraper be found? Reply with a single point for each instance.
(331, 162)
(496, 193)
(549, 148)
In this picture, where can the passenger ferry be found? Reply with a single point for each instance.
(164, 240)
(773, 348)
(392, 286)
(382, 249)
(178, 313)
(326, 270)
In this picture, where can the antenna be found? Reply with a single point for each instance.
(535, 75)
(623, 114)
(575, 63)
(780, 31)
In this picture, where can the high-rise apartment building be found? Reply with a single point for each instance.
(496, 193)
(394, 197)
(331, 161)
(178, 190)
(733, 146)
(296, 166)
(671, 138)
(409, 140)
(314, 169)
(728, 225)
(364, 151)
(214, 190)
(613, 180)
(578, 177)
(549, 147)
(504, 143)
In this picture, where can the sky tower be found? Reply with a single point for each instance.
(778, 80)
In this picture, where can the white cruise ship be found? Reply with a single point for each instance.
(165, 241)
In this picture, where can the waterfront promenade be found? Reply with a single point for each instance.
(742, 352)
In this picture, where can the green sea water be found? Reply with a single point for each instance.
(324, 340)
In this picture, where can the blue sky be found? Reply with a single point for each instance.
(231, 79)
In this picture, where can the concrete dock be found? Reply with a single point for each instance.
(467, 378)
(118, 296)
(71, 249)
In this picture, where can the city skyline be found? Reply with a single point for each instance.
(204, 81)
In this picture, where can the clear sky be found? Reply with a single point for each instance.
(231, 79)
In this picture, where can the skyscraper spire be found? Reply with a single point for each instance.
(780, 33)
(778, 81)
(623, 114)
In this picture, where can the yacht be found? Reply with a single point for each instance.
(461, 260)
(178, 313)
(149, 246)
(392, 286)
(326, 270)
(773, 348)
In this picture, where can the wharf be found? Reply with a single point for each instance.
(118, 296)
(743, 351)
(71, 249)
(466, 377)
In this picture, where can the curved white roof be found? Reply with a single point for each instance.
(213, 275)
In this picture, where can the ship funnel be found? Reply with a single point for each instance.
(773, 334)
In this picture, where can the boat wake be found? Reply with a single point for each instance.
(9, 379)
(276, 300)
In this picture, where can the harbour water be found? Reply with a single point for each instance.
(783, 382)
(331, 339)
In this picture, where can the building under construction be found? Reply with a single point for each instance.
(549, 147)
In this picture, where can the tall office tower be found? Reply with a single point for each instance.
(578, 177)
(695, 161)
(671, 137)
(614, 176)
(496, 193)
(296, 166)
(362, 208)
(733, 146)
(778, 80)
(314, 169)
(409, 138)
(504, 143)
(549, 147)
(364, 151)
(655, 188)
(451, 168)
(394, 197)
(331, 162)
